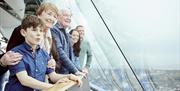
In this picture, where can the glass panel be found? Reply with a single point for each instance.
(109, 70)
(147, 32)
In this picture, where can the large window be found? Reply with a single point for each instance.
(148, 34)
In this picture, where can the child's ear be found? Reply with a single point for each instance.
(23, 32)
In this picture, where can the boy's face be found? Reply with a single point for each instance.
(33, 36)
(48, 17)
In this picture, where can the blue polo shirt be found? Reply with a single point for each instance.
(34, 63)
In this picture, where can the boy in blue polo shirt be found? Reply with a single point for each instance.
(29, 73)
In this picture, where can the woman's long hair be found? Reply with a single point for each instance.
(76, 46)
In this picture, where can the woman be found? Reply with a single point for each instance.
(48, 13)
(75, 42)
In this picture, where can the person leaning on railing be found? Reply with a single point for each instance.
(85, 55)
(63, 44)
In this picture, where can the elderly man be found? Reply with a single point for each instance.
(64, 49)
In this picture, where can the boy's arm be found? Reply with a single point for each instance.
(28, 81)
(54, 77)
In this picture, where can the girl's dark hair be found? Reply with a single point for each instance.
(76, 46)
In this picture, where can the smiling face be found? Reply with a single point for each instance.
(49, 18)
(65, 18)
(74, 37)
(48, 13)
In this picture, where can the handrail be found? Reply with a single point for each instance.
(62, 86)
(65, 86)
